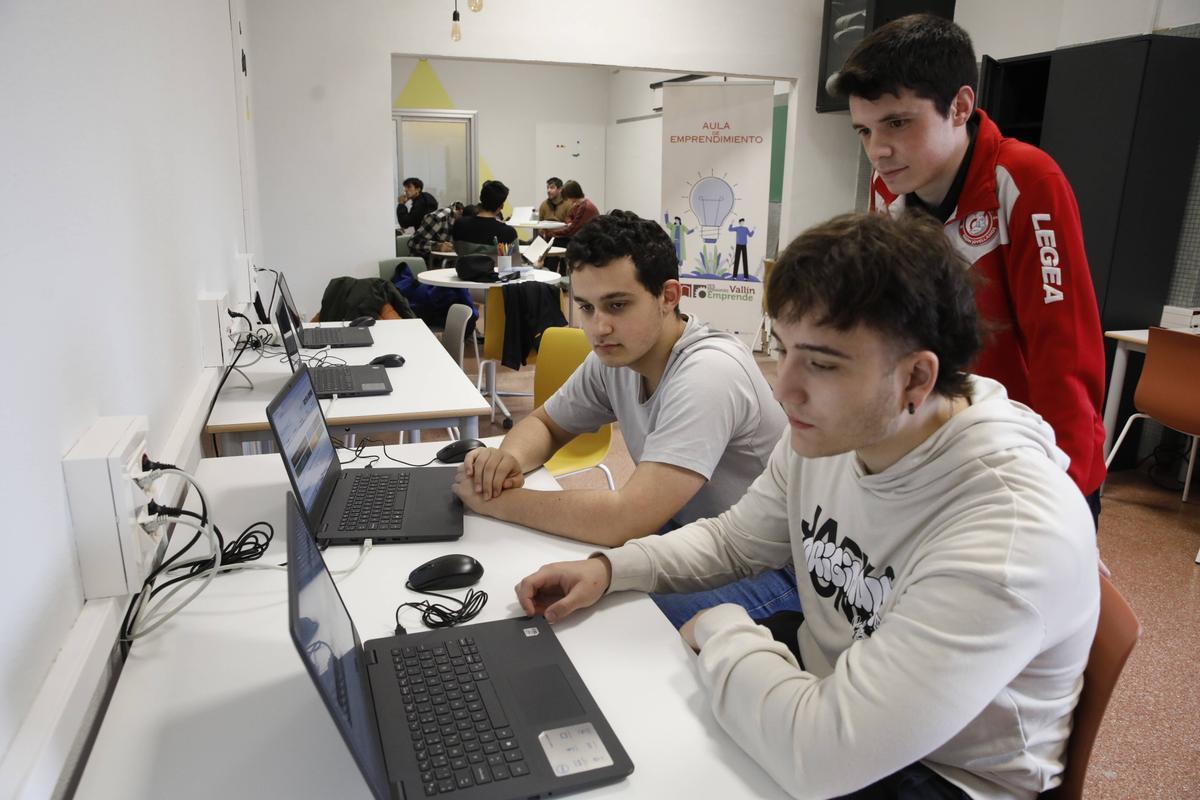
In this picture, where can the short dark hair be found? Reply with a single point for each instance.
(741, 219)
(492, 196)
(416, 182)
(572, 190)
(927, 54)
(555, 182)
(456, 206)
(617, 234)
(900, 277)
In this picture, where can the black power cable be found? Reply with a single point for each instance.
(436, 615)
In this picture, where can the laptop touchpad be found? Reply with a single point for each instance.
(544, 696)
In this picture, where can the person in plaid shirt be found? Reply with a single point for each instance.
(434, 230)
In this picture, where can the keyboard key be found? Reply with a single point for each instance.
(518, 768)
(430, 789)
(482, 774)
(513, 755)
(464, 779)
(500, 773)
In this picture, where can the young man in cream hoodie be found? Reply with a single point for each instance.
(946, 564)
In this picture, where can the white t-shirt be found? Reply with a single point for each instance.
(712, 413)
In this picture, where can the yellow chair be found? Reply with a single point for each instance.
(562, 350)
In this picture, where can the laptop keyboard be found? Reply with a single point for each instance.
(459, 730)
(322, 336)
(332, 380)
(375, 502)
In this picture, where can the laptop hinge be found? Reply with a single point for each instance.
(372, 657)
(398, 791)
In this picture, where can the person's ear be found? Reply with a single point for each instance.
(962, 106)
(921, 376)
(671, 292)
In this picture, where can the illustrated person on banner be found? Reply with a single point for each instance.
(739, 250)
(678, 235)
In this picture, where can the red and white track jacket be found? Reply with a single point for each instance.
(1018, 224)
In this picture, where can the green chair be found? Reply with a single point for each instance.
(402, 241)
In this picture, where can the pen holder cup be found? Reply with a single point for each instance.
(504, 263)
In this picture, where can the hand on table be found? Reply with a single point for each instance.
(491, 471)
(557, 590)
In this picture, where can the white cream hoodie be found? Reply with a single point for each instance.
(950, 602)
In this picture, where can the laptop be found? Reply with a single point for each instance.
(522, 214)
(490, 710)
(322, 337)
(341, 380)
(346, 506)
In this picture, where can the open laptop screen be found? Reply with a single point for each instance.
(308, 454)
(287, 333)
(285, 294)
(329, 645)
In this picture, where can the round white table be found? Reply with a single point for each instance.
(449, 278)
(540, 225)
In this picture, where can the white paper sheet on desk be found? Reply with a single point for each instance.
(534, 251)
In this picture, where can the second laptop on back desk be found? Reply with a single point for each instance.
(313, 338)
(340, 380)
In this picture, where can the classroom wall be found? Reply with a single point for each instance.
(514, 103)
(119, 204)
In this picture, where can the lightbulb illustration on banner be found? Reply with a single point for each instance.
(711, 200)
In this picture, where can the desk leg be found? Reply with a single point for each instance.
(1116, 384)
(414, 435)
(469, 426)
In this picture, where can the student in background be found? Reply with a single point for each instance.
(555, 206)
(419, 203)
(581, 212)
(946, 565)
(435, 232)
(1006, 206)
(693, 406)
(485, 228)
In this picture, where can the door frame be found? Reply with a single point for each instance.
(438, 115)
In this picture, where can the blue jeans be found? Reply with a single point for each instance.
(761, 595)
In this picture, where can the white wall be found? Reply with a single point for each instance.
(513, 100)
(119, 204)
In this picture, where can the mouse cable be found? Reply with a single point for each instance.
(405, 463)
(436, 615)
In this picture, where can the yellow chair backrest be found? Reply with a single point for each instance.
(562, 351)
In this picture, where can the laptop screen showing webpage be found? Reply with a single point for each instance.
(329, 645)
(299, 425)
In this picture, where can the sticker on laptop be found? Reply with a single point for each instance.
(530, 632)
(574, 749)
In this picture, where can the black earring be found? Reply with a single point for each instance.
(911, 409)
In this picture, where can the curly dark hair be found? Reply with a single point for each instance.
(901, 277)
(617, 234)
(931, 56)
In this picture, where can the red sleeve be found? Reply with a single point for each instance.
(1058, 324)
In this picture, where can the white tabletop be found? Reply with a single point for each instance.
(430, 385)
(1131, 337)
(449, 278)
(217, 703)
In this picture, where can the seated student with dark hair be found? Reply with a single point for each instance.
(485, 227)
(694, 408)
(555, 206)
(415, 204)
(581, 212)
(435, 232)
(946, 565)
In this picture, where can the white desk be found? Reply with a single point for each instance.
(449, 278)
(429, 391)
(216, 704)
(1126, 341)
(540, 225)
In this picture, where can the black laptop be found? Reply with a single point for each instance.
(346, 506)
(340, 380)
(322, 336)
(492, 710)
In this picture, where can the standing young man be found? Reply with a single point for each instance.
(695, 411)
(1007, 209)
(945, 564)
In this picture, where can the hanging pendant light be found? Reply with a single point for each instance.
(455, 27)
(475, 5)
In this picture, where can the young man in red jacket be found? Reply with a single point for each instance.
(1006, 207)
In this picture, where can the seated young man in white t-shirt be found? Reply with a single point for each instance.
(946, 564)
(694, 409)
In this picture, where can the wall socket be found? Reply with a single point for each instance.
(115, 552)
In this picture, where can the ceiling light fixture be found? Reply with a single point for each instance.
(475, 5)
(455, 27)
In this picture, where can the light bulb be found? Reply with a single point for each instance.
(711, 200)
(455, 27)
(475, 5)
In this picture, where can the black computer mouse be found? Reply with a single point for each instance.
(456, 451)
(362, 322)
(446, 572)
(388, 360)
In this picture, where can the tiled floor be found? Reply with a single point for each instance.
(1149, 744)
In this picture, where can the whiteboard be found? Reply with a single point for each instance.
(571, 151)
